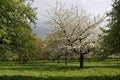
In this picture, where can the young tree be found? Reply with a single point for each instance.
(79, 30)
(112, 38)
(52, 46)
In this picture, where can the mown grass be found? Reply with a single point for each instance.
(47, 70)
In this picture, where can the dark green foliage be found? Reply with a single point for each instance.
(15, 34)
(111, 42)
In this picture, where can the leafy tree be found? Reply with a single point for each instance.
(16, 17)
(23, 44)
(112, 38)
(40, 49)
(77, 30)
(53, 46)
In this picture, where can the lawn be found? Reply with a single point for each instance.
(47, 70)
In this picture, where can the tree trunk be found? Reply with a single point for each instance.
(81, 60)
(53, 60)
(19, 59)
(25, 61)
(66, 58)
(58, 59)
(89, 60)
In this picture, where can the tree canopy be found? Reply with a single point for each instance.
(74, 29)
(112, 39)
(16, 17)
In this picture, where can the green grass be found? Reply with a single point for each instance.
(46, 70)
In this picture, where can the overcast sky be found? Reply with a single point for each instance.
(94, 7)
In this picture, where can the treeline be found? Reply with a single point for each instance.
(75, 33)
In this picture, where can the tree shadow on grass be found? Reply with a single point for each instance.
(53, 67)
(114, 66)
(40, 66)
(117, 77)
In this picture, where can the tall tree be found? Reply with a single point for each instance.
(77, 29)
(16, 17)
(111, 43)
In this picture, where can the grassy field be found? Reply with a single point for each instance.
(46, 70)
